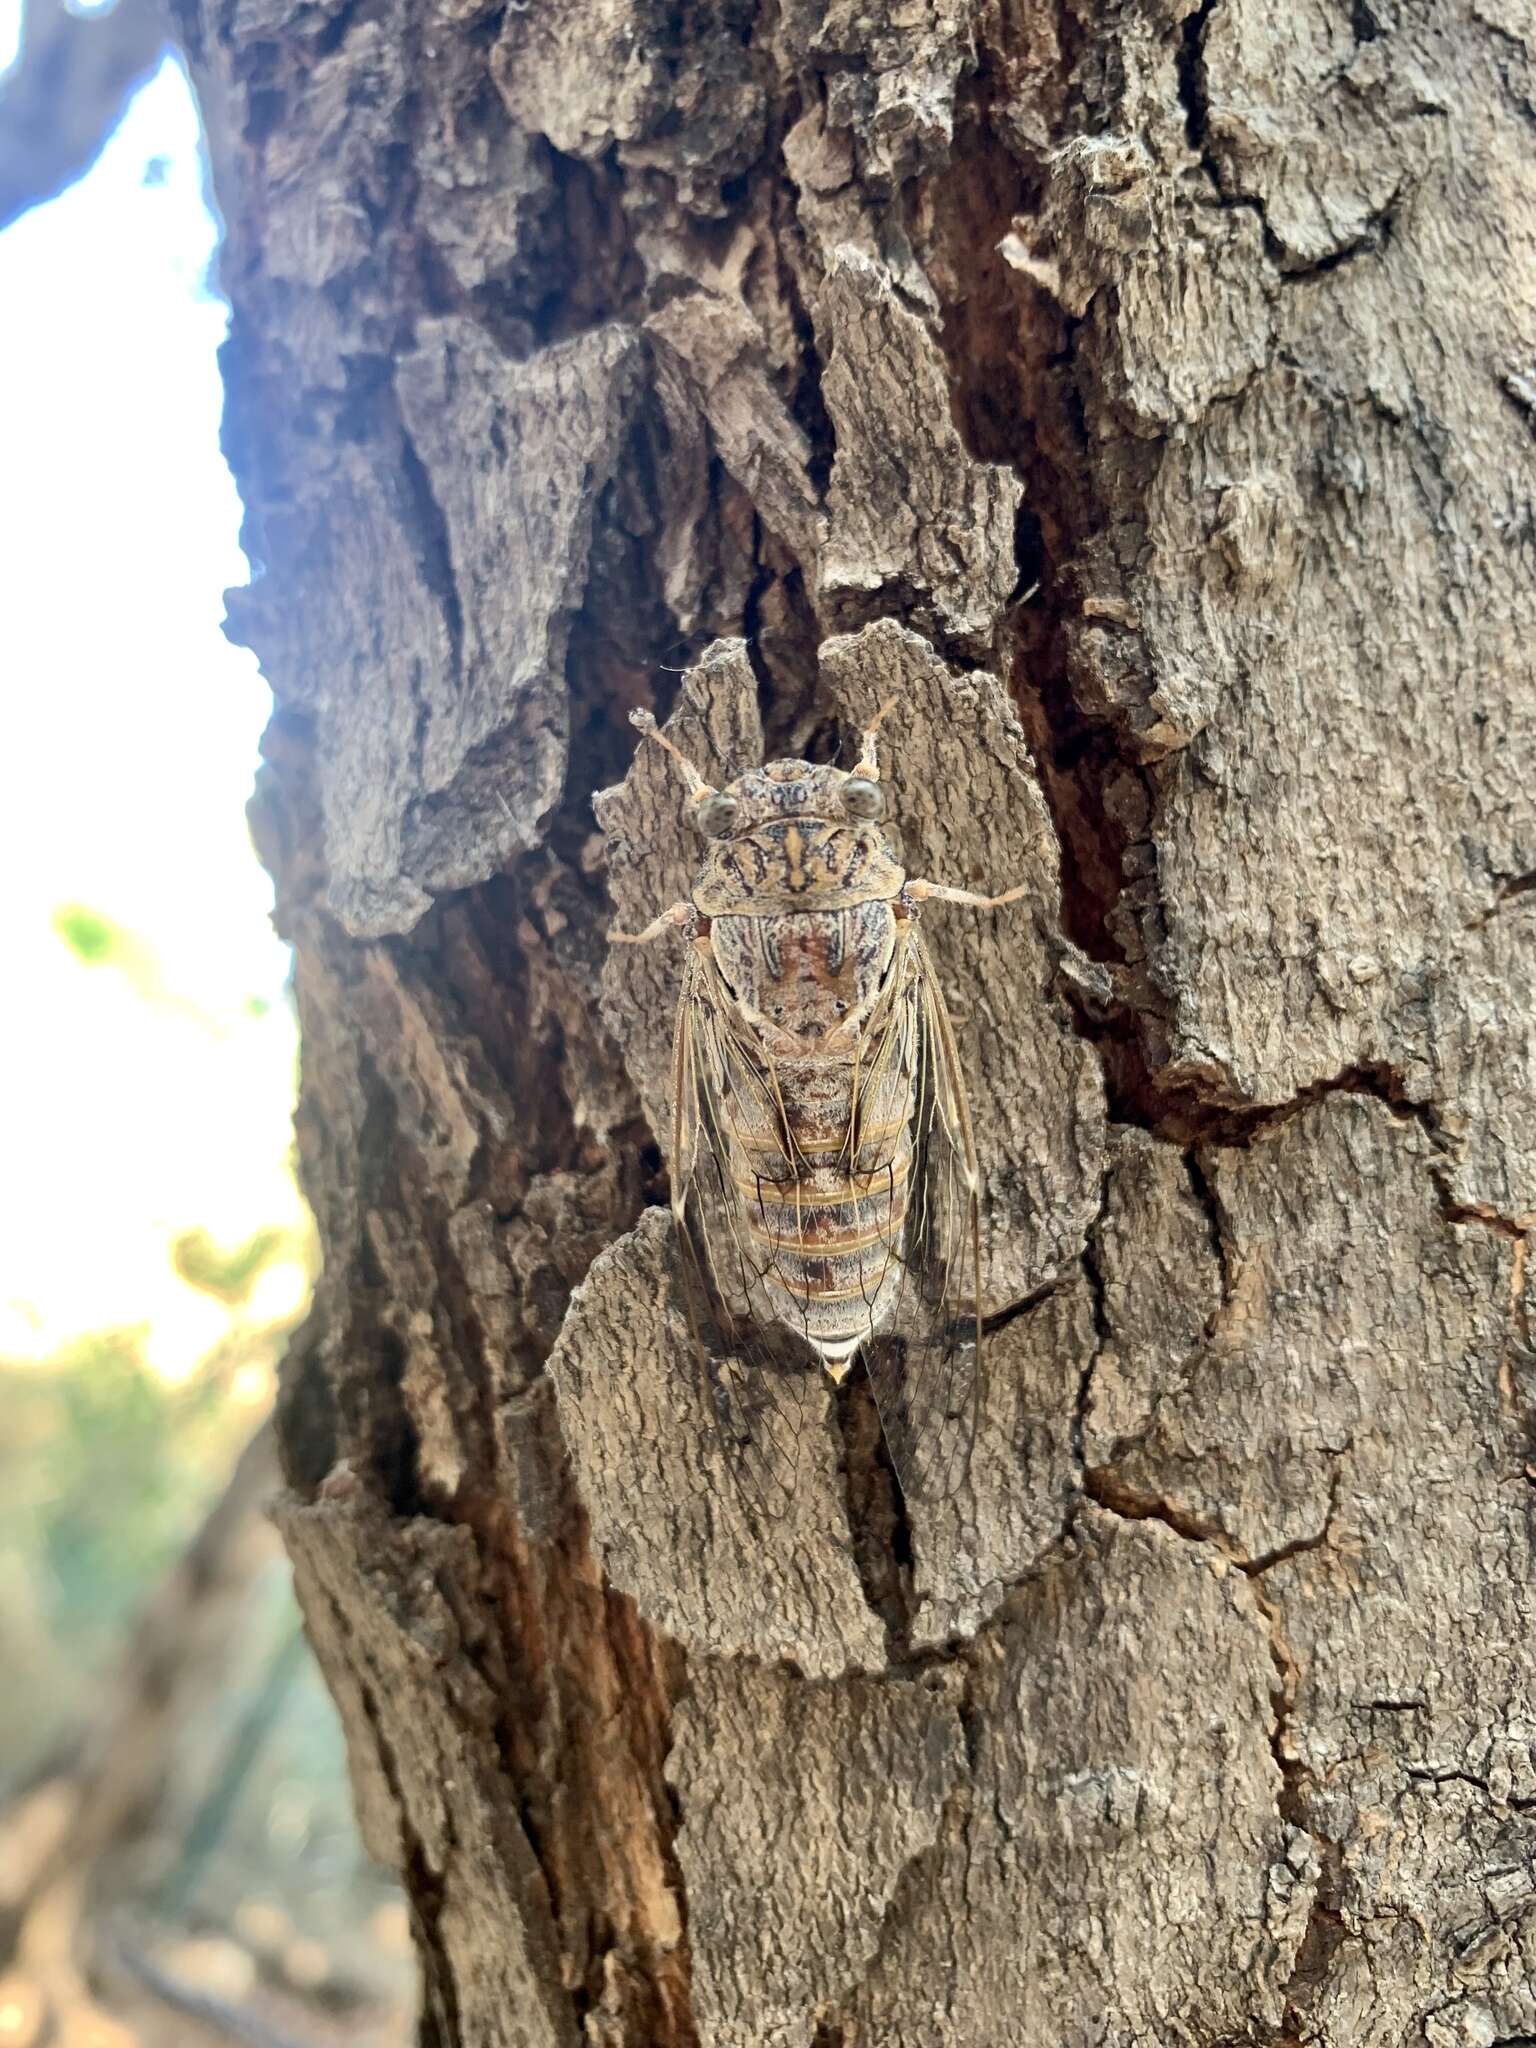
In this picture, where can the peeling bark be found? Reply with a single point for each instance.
(1141, 399)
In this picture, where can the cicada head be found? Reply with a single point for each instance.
(781, 791)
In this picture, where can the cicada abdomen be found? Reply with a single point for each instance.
(824, 1174)
(821, 1157)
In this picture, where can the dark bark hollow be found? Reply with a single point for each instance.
(1144, 398)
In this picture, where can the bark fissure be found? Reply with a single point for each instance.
(1205, 1196)
(1326, 1929)
(878, 1519)
(1103, 1333)
(1374, 234)
(1511, 888)
(437, 562)
(1191, 86)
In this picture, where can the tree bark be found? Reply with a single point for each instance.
(1143, 396)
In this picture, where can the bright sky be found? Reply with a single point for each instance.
(152, 1096)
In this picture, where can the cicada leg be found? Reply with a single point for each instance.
(669, 920)
(943, 892)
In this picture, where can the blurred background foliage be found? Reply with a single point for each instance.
(103, 1469)
(106, 1468)
(179, 1863)
(163, 1732)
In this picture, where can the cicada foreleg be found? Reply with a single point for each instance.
(944, 892)
(669, 920)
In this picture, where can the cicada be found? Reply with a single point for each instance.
(823, 1169)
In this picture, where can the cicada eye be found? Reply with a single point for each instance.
(863, 798)
(716, 815)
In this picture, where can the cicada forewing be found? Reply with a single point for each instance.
(758, 1383)
(907, 1154)
(925, 1359)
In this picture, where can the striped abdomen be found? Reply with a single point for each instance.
(825, 1225)
(821, 1159)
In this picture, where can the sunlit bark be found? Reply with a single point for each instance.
(1146, 396)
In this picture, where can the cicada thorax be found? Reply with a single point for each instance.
(820, 1151)
(793, 864)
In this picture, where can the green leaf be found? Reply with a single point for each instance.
(226, 1275)
(90, 936)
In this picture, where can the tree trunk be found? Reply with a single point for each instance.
(1145, 399)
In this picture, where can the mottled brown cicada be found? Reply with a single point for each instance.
(824, 1175)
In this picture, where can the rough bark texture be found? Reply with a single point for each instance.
(1144, 396)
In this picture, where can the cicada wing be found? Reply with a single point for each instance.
(753, 1377)
(925, 1363)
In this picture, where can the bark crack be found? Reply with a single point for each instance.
(1111, 1491)
(1190, 73)
(1376, 232)
(1083, 1398)
(422, 1881)
(1326, 1929)
(563, 1644)
(1511, 888)
(1205, 1197)
(1101, 794)
(878, 1523)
